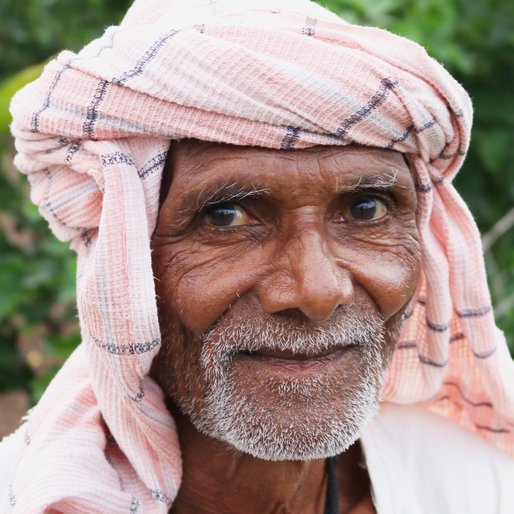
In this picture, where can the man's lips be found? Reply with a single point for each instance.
(289, 354)
(274, 356)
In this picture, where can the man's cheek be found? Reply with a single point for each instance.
(178, 361)
(389, 274)
(200, 286)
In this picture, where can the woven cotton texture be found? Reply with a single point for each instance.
(92, 135)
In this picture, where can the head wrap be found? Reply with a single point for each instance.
(92, 135)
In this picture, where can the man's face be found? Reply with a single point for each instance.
(281, 279)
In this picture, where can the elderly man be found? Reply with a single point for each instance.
(282, 298)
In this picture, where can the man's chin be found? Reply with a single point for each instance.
(267, 436)
(288, 419)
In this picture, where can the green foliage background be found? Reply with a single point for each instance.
(475, 41)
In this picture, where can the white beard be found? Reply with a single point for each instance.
(304, 421)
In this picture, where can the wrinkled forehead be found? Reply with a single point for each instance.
(193, 163)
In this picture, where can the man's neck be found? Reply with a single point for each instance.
(217, 478)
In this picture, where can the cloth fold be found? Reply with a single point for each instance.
(92, 134)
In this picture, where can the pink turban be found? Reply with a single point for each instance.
(92, 135)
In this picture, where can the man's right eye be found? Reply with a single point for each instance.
(226, 214)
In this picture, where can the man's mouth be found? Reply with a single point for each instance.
(294, 361)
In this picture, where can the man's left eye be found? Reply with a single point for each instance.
(226, 214)
(365, 208)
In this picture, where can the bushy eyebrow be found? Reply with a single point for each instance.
(197, 201)
(376, 181)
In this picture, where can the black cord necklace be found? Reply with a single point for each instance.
(332, 502)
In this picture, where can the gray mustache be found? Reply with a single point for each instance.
(233, 334)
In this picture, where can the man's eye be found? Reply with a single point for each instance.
(365, 208)
(226, 214)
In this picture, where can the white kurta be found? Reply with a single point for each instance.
(421, 463)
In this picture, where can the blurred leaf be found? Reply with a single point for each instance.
(12, 274)
(495, 148)
(61, 345)
(9, 87)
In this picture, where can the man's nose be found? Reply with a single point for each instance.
(308, 277)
